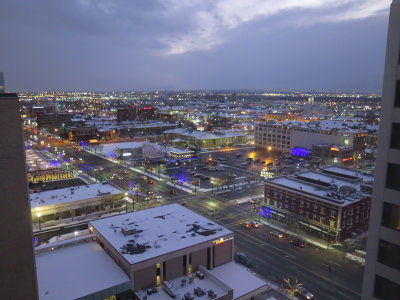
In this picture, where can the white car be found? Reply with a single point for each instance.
(157, 196)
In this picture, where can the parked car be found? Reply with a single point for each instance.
(276, 234)
(298, 243)
(157, 196)
(172, 192)
(255, 224)
(243, 259)
(303, 293)
(150, 181)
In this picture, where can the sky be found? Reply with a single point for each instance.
(121, 45)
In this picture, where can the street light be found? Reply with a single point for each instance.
(38, 214)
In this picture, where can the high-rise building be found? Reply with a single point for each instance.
(17, 271)
(382, 269)
(2, 86)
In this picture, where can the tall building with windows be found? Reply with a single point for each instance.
(17, 264)
(382, 270)
(2, 86)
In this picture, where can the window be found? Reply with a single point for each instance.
(389, 254)
(386, 289)
(393, 177)
(391, 216)
(395, 137)
(397, 94)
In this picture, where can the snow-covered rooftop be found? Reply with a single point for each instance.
(242, 280)
(203, 135)
(76, 271)
(329, 187)
(156, 231)
(327, 125)
(72, 194)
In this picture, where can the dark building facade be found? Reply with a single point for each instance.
(54, 122)
(17, 263)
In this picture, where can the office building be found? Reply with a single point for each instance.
(289, 135)
(126, 114)
(382, 269)
(333, 202)
(54, 122)
(2, 85)
(159, 253)
(17, 271)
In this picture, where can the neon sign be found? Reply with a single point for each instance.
(266, 212)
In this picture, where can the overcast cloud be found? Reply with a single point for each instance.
(193, 44)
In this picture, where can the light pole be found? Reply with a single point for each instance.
(38, 214)
(126, 202)
(212, 185)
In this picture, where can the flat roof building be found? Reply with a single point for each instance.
(333, 201)
(164, 245)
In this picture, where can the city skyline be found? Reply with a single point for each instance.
(193, 45)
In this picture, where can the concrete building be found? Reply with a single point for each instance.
(382, 269)
(75, 202)
(333, 154)
(82, 133)
(126, 114)
(53, 122)
(16, 229)
(202, 139)
(285, 136)
(333, 203)
(168, 246)
(2, 85)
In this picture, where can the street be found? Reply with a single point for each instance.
(273, 258)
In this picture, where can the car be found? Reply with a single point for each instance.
(303, 293)
(276, 234)
(157, 196)
(245, 224)
(150, 181)
(197, 175)
(255, 224)
(125, 172)
(298, 243)
(172, 192)
(144, 177)
(243, 259)
(239, 155)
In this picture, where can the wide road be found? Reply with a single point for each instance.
(273, 258)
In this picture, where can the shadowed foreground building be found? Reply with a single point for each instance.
(17, 264)
(382, 269)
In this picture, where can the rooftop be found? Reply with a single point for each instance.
(241, 279)
(339, 185)
(77, 271)
(72, 194)
(145, 234)
(327, 125)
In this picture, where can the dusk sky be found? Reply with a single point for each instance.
(109, 45)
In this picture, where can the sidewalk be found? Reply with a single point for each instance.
(314, 241)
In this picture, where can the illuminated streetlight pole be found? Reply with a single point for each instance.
(38, 214)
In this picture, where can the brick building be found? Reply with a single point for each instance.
(333, 202)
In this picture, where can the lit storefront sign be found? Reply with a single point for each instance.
(222, 240)
(36, 177)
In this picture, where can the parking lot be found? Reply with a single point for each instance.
(227, 167)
